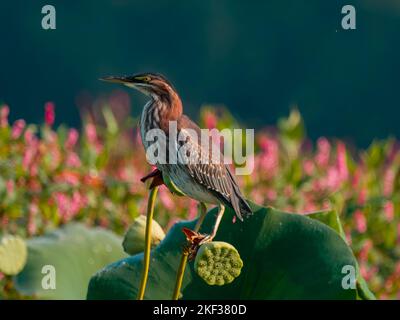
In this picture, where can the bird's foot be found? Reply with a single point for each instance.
(206, 239)
(157, 178)
(194, 240)
(210, 237)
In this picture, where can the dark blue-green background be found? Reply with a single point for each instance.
(256, 57)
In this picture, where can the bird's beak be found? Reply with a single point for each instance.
(130, 82)
(122, 80)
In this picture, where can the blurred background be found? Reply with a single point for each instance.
(258, 58)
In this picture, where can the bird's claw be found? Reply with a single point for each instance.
(206, 239)
(195, 240)
(157, 178)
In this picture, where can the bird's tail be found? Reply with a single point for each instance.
(238, 202)
(240, 205)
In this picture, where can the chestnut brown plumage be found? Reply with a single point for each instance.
(203, 178)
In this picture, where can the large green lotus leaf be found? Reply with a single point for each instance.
(285, 256)
(76, 252)
(331, 218)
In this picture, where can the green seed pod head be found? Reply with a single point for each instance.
(134, 238)
(218, 263)
(13, 254)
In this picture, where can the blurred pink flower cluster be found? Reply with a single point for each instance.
(50, 176)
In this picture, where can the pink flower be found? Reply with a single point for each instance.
(308, 167)
(367, 246)
(326, 205)
(62, 203)
(29, 137)
(78, 202)
(210, 119)
(310, 207)
(137, 137)
(33, 211)
(49, 114)
(73, 160)
(104, 222)
(10, 186)
(268, 160)
(68, 207)
(331, 181)
(28, 156)
(388, 182)
(356, 177)
(360, 221)
(366, 272)
(17, 129)
(389, 211)
(323, 152)
(34, 185)
(165, 198)
(384, 296)
(34, 170)
(4, 112)
(193, 209)
(69, 177)
(362, 196)
(341, 162)
(263, 142)
(91, 132)
(257, 196)
(72, 138)
(125, 173)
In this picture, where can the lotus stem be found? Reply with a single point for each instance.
(184, 257)
(147, 248)
(179, 276)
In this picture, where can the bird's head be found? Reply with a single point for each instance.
(151, 84)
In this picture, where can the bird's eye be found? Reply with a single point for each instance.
(143, 78)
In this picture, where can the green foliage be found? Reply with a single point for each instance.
(292, 133)
(75, 252)
(331, 219)
(286, 256)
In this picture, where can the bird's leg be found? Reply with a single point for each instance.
(187, 252)
(209, 238)
(203, 213)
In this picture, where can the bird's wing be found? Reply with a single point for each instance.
(206, 167)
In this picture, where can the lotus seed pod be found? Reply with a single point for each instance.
(218, 263)
(134, 238)
(13, 254)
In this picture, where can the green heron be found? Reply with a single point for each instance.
(205, 181)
